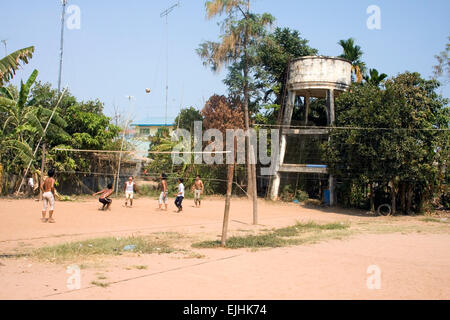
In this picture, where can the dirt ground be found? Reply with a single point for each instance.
(412, 255)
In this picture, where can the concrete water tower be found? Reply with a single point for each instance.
(311, 77)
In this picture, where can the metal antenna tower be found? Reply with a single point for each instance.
(165, 13)
(64, 3)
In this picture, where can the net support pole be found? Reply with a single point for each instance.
(226, 215)
(255, 186)
(120, 160)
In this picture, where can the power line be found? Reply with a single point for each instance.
(348, 128)
(137, 152)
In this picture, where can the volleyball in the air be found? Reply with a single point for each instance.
(147, 90)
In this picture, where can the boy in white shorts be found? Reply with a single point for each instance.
(130, 187)
(164, 192)
(198, 189)
(48, 196)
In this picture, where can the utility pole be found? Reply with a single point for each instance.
(64, 3)
(165, 13)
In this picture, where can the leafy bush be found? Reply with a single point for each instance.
(288, 195)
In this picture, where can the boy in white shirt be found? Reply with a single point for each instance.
(129, 188)
(180, 195)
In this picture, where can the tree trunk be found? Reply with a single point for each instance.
(226, 214)
(96, 177)
(393, 195)
(403, 197)
(246, 119)
(409, 195)
(372, 202)
(251, 168)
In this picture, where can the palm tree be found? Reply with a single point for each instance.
(353, 53)
(374, 77)
(10, 63)
(238, 35)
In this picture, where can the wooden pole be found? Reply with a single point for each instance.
(226, 214)
(255, 188)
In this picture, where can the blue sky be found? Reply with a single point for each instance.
(120, 48)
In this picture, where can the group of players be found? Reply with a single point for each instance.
(130, 187)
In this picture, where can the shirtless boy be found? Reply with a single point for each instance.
(164, 191)
(104, 197)
(198, 189)
(48, 196)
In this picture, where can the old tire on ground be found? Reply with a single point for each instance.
(382, 210)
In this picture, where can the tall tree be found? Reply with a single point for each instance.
(353, 53)
(187, 117)
(241, 31)
(392, 141)
(220, 113)
(274, 53)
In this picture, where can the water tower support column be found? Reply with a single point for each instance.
(286, 123)
(307, 102)
(331, 119)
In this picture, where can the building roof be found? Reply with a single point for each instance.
(154, 122)
(152, 125)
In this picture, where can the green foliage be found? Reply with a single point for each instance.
(274, 53)
(395, 144)
(23, 125)
(75, 125)
(100, 246)
(289, 195)
(160, 142)
(374, 78)
(11, 63)
(187, 117)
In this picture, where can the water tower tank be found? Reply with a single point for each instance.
(313, 76)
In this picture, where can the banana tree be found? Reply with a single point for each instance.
(10, 63)
(24, 124)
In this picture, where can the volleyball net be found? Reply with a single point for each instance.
(103, 167)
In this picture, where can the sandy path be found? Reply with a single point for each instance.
(413, 266)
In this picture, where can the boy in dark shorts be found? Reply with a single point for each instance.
(104, 197)
(180, 195)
